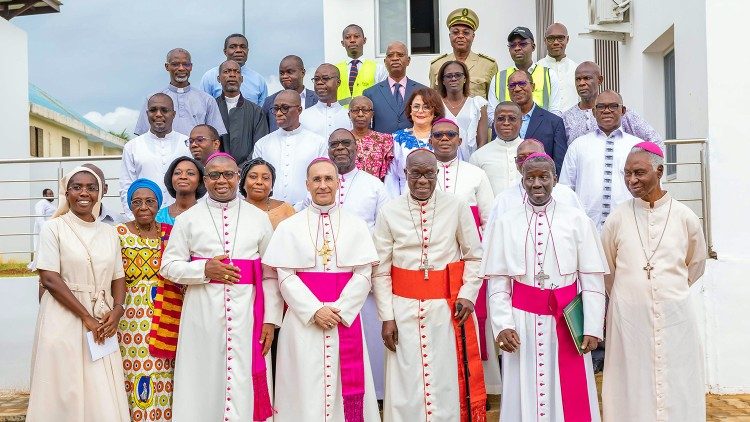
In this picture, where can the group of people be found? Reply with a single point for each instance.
(305, 255)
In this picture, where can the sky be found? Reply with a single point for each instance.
(103, 58)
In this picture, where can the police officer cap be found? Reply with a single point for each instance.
(463, 16)
(522, 32)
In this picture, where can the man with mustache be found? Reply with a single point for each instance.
(253, 87)
(556, 39)
(192, 106)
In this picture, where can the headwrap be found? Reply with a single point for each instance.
(170, 171)
(444, 120)
(218, 154)
(650, 147)
(64, 206)
(148, 184)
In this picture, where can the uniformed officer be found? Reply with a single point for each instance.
(462, 23)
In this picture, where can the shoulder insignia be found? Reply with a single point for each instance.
(439, 58)
(486, 57)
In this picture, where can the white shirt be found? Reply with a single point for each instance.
(584, 170)
(290, 152)
(149, 156)
(468, 183)
(467, 120)
(232, 102)
(498, 160)
(43, 210)
(324, 119)
(553, 100)
(565, 71)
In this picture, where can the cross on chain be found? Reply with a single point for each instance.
(541, 278)
(648, 269)
(325, 252)
(426, 267)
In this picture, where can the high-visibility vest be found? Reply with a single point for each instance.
(542, 85)
(365, 79)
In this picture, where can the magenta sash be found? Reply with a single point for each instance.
(571, 366)
(251, 272)
(480, 307)
(327, 287)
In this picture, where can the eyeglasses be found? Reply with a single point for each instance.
(284, 109)
(508, 119)
(418, 107)
(186, 65)
(137, 203)
(521, 84)
(453, 76)
(446, 133)
(611, 107)
(459, 31)
(552, 38)
(88, 188)
(360, 110)
(522, 44)
(430, 175)
(215, 175)
(323, 79)
(197, 140)
(346, 143)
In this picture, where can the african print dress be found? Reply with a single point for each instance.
(148, 379)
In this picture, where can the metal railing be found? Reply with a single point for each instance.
(689, 184)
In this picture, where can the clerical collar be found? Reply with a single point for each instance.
(422, 202)
(284, 132)
(349, 175)
(322, 209)
(660, 202)
(617, 133)
(334, 105)
(541, 208)
(217, 204)
(508, 144)
(446, 164)
(178, 90)
(166, 137)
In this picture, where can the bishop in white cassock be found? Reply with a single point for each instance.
(497, 158)
(327, 114)
(231, 307)
(538, 258)
(289, 149)
(324, 257)
(656, 251)
(429, 254)
(469, 183)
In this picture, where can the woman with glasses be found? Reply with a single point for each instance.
(374, 149)
(148, 379)
(470, 113)
(80, 269)
(423, 107)
(257, 179)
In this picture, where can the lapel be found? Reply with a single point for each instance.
(536, 120)
(385, 91)
(222, 102)
(310, 98)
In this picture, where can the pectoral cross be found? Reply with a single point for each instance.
(541, 278)
(325, 252)
(648, 269)
(426, 267)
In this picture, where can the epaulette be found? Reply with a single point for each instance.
(438, 58)
(486, 57)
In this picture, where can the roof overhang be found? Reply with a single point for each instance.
(10, 9)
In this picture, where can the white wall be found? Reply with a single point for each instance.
(14, 80)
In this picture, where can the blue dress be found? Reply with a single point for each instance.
(163, 216)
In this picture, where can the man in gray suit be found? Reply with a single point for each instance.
(389, 96)
(291, 76)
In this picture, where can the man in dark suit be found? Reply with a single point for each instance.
(538, 123)
(389, 96)
(291, 76)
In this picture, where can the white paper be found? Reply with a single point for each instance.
(97, 350)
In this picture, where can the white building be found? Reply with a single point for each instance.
(677, 62)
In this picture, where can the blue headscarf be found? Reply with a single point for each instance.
(148, 184)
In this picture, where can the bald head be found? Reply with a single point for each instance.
(360, 101)
(289, 96)
(421, 174)
(397, 60)
(327, 80)
(286, 109)
(556, 29)
(588, 78)
(556, 39)
(608, 111)
(526, 148)
(421, 156)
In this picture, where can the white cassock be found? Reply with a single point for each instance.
(545, 379)
(323, 119)
(422, 375)
(470, 184)
(498, 160)
(290, 152)
(654, 350)
(309, 366)
(213, 377)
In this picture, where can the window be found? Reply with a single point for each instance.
(89, 151)
(414, 22)
(670, 111)
(65, 147)
(36, 141)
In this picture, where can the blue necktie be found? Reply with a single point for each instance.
(397, 95)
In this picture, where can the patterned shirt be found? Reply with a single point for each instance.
(580, 122)
(375, 153)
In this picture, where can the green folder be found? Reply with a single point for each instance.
(573, 314)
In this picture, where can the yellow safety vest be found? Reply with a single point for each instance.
(365, 79)
(542, 85)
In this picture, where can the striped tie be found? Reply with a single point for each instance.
(609, 150)
(353, 71)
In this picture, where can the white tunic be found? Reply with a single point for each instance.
(498, 160)
(565, 74)
(467, 182)
(593, 177)
(308, 356)
(515, 196)
(212, 378)
(654, 350)
(290, 152)
(566, 242)
(149, 156)
(422, 375)
(467, 120)
(323, 119)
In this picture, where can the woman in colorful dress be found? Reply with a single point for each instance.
(423, 107)
(258, 177)
(470, 113)
(80, 269)
(148, 379)
(374, 149)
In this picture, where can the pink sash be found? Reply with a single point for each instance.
(571, 366)
(251, 272)
(480, 308)
(327, 287)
